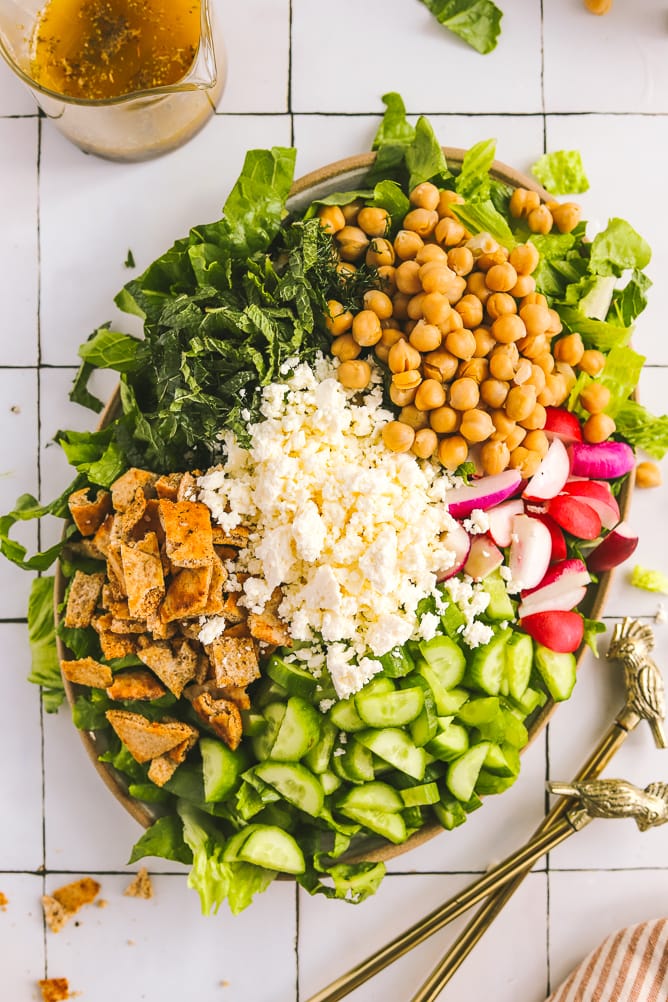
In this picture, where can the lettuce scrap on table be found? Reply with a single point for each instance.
(228, 312)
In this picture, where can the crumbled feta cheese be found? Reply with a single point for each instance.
(211, 628)
(428, 626)
(326, 704)
(477, 522)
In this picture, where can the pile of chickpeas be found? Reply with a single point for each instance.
(473, 350)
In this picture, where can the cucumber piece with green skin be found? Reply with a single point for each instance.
(318, 758)
(479, 711)
(449, 813)
(330, 782)
(557, 670)
(445, 659)
(252, 723)
(487, 668)
(273, 849)
(519, 662)
(221, 768)
(497, 762)
(267, 691)
(373, 796)
(295, 680)
(464, 771)
(345, 717)
(453, 620)
(449, 743)
(413, 819)
(500, 606)
(355, 765)
(295, 783)
(531, 700)
(425, 726)
(299, 731)
(263, 742)
(394, 746)
(444, 699)
(377, 685)
(397, 662)
(421, 795)
(490, 783)
(390, 709)
(387, 824)
(451, 700)
(236, 841)
(504, 727)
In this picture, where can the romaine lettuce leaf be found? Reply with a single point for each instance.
(629, 302)
(649, 579)
(483, 217)
(45, 666)
(425, 158)
(27, 508)
(643, 430)
(163, 839)
(107, 349)
(473, 182)
(620, 374)
(561, 172)
(595, 333)
(617, 248)
(476, 22)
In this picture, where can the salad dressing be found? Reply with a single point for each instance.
(103, 49)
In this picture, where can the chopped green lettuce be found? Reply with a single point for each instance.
(643, 430)
(649, 580)
(163, 839)
(476, 22)
(617, 248)
(592, 629)
(620, 374)
(45, 666)
(473, 182)
(561, 172)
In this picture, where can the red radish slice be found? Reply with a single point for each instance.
(559, 549)
(617, 547)
(562, 424)
(500, 520)
(560, 631)
(573, 570)
(575, 517)
(484, 557)
(459, 542)
(530, 552)
(599, 497)
(602, 461)
(551, 601)
(483, 493)
(551, 475)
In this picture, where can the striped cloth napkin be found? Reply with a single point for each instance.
(629, 966)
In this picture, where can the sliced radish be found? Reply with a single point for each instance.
(530, 552)
(559, 549)
(558, 630)
(484, 557)
(551, 601)
(602, 461)
(483, 493)
(551, 475)
(575, 516)
(597, 495)
(562, 424)
(573, 571)
(459, 542)
(500, 520)
(617, 547)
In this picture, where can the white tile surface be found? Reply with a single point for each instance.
(22, 936)
(15, 98)
(257, 42)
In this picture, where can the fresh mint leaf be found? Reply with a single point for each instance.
(476, 22)
(45, 665)
(561, 172)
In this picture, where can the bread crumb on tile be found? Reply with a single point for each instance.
(54, 989)
(141, 886)
(4, 901)
(54, 914)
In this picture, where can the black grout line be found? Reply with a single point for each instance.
(47, 872)
(297, 989)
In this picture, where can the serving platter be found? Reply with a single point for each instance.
(342, 175)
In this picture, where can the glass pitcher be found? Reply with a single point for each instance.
(137, 125)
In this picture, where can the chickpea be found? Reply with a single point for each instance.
(444, 420)
(379, 303)
(366, 328)
(500, 304)
(648, 475)
(345, 269)
(398, 437)
(435, 308)
(440, 365)
(488, 259)
(555, 322)
(446, 199)
(474, 368)
(536, 318)
(476, 426)
(406, 244)
(524, 460)
(449, 232)
(382, 352)
(354, 374)
(421, 221)
(453, 323)
(555, 385)
(431, 252)
(470, 310)
(339, 320)
(516, 437)
(380, 253)
(435, 276)
(524, 258)
(520, 402)
(533, 347)
(391, 333)
(331, 218)
(460, 343)
(536, 441)
(545, 361)
(414, 306)
(408, 380)
(453, 451)
(350, 211)
(592, 362)
(522, 372)
(493, 392)
(425, 337)
(503, 362)
(566, 216)
(503, 426)
(374, 221)
(401, 396)
(400, 303)
(353, 242)
(494, 457)
(415, 418)
(501, 277)
(345, 348)
(536, 420)
(569, 348)
(430, 395)
(456, 289)
(508, 328)
(464, 394)
(598, 7)
(408, 327)
(403, 357)
(483, 243)
(522, 202)
(475, 284)
(523, 286)
(537, 377)
(407, 277)
(484, 342)
(534, 299)
(568, 372)
(388, 284)
(425, 196)
(460, 259)
(425, 443)
(540, 220)
(598, 428)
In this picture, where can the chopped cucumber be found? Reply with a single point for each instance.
(395, 747)
(489, 782)
(497, 762)
(385, 823)
(479, 711)
(450, 813)
(267, 691)
(330, 782)
(487, 667)
(344, 715)
(464, 771)
(425, 725)
(453, 621)
(295, 680)
(421, 795)
(445, 659)
(449, 743)
(263, 741)
(372, 797)
(317, 759)
(500, 606)
(252, 723)
(236, 841)
(519, 661)
(355, 765)
(299, 731)
(558, 672)
(221, 768)
(397, 662)
(273, 849)
(390, 709)
(531, 700)
(295, 783)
